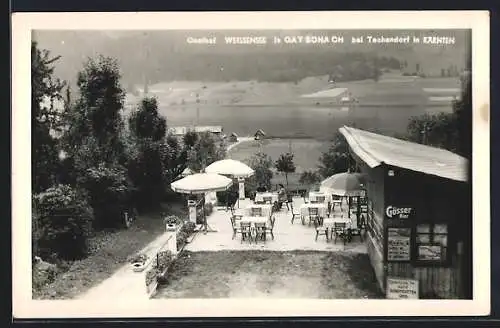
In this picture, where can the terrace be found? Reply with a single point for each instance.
(314, 267)
(288, 236)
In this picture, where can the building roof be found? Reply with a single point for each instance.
(376, 149)
(181, 130)
(329, 93)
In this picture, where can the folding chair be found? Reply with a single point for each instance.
(256, 211)
(236, 226)
(296, 214)
(340, 230)
(306, 201)
(260, 231)
(276, 207)
(362, 226)
(246, 231)
(320, 230)
(270, 227)
(289, 202)
(314, 215)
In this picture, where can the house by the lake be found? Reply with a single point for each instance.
(259, 135)
(180, 131)
(233, 137)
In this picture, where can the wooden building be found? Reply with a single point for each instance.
(180, 131)
(259, 135)
(419, 223)
(233, 137)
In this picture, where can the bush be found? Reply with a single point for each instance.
(230, 195)
(188, 227)
(222, 197)
(186, 231)
(63, 223)
(164, 259)
(43, 273)
(109, 193)
(181, 238)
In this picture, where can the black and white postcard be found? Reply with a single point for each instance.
(250, 164)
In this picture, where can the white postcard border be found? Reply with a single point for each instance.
(23, 23)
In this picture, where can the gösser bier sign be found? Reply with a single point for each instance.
(393, 212)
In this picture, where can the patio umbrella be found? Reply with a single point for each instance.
(345, 184)
(187, 171)
(201, 183)
(231, 167)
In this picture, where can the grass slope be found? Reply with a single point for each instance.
(297, 274)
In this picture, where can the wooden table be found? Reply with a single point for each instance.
(329, 224)
(265, 209)
(259, 197)
(254, 219)
(304, 209)
(313, 195)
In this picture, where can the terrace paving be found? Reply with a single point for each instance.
(287, 236)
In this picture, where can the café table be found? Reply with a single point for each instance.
(336, 203)
(253, 220)
(304, 209)
(329, 223)
(264, 208)
(313, 196)
(260, 196)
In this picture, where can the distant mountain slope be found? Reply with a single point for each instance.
(165, 55)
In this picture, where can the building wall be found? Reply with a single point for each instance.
(375, 220)
(433, 200)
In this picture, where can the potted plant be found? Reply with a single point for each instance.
(171, 222)
(138, 262)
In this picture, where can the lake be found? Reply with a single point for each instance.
(296, 121)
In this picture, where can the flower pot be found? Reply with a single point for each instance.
(138, 266)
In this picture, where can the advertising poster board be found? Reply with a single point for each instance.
(398, 244)
(401, 288)
(429, 252)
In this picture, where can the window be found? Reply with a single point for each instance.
(431, 243)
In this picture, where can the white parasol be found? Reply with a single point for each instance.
(202, 183)
(230, 167)
(344, 184)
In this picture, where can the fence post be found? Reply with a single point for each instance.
(241, 182)
(192, 210)
(172, 238)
